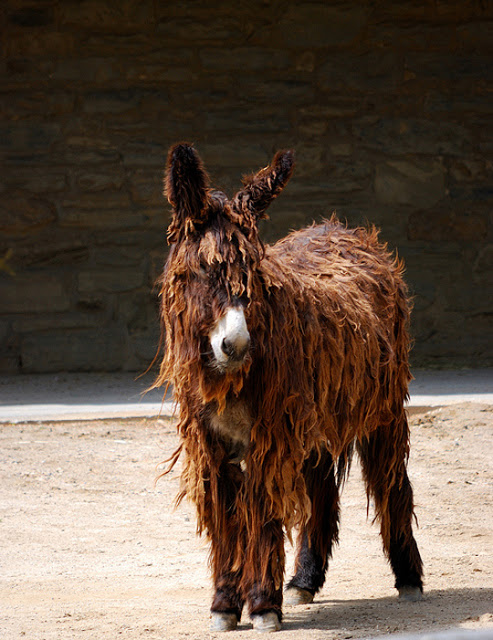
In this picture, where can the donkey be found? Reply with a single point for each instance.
(283, 359)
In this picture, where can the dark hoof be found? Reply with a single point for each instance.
(266, 622)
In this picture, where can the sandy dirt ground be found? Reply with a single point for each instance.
(90, 549)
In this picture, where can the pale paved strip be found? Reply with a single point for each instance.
(90, 396)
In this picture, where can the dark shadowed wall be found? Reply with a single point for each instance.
(387, 104)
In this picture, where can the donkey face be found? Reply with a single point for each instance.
(211, 276)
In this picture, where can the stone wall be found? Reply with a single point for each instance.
(387, 104)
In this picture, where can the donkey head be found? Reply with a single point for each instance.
(211, 277)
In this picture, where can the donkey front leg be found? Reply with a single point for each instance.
(227, 545)
(263, 573)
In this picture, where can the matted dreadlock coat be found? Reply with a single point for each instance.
(327, 312)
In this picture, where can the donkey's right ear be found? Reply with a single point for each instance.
(185, 184)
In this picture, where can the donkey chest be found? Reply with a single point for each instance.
(233, 425)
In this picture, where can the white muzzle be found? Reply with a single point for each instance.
(230, 339)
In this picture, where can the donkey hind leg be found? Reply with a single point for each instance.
(317, 538)
(383, 457)
(226, 538)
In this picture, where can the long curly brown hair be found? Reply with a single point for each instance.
(327, 311)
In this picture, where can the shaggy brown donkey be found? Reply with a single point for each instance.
(282, 359)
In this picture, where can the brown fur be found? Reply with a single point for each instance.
(327, 311)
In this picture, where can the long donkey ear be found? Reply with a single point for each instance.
(185, 186)
(263, 187)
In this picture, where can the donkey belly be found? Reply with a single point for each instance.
(233, 425)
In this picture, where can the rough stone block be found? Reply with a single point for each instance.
(125, 16)
(476, 36)
(111, 101)
(108, 178)
(484, 263)
(157, 259)
(414, 37)
(31, 16)
(97, 71)
(109, 280)
(310, 161)
(51, 247)
(139, 311)
(161, 66)
(9, 350)
(39, 44)
(343, 176)
(111, 255)
(342, 106)
(340, 149)
(193, 29)
(407, 11)
(5, 331)
(419, 183)
(244, 58)
(457, 338)
(144, 348)
(310, 25)
(86, 150)
(422, 289)
(103, 349)
(281, 221)
(38, 180)
(167, 74)
(467, 295)
(138, 153)
(245, 157)
(146, 187)
(9, 364)
(256, 119)
(32, 293)
(29, 136)
(399, 136)
(21, 72)
(36, 102)
(277, 91)
(469, 170)
(447, 225)
(57, 321)
(110, 210)
(120, 44)
(99, 219)
(20, 214)
(348, 72)
(154, 218)
(464, 71)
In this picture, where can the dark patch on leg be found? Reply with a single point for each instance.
(227, 598)
(321, 532)
(263, 601)
(383, 457)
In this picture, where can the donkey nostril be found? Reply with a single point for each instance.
(227, 347)
(235, 351)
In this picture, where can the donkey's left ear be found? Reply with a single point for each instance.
(264, 186)
(186, 183)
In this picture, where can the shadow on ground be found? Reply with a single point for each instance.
(439, 609)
